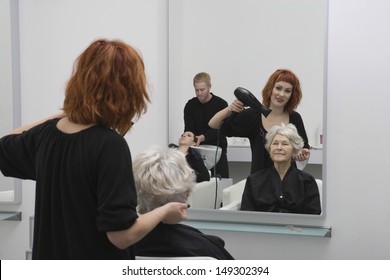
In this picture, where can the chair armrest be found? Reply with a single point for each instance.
(203, 195)
(233, 193)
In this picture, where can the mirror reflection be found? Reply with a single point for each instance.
(241, 45)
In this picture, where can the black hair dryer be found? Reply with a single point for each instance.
(246, 97)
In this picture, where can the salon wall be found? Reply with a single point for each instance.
(52, 35)
(357, 157)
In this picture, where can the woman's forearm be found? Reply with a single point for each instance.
(216, 120)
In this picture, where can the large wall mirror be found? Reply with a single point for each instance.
(10, 189)
(240, 43)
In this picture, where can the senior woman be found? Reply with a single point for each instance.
(282, 187)
(162, 175)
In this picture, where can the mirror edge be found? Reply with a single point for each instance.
(280, 218)
(16, 86)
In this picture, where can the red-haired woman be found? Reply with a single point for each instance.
(282, 94)
(85, 205)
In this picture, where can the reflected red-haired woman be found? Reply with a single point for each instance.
(282, 94)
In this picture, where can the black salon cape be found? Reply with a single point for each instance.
(297, 193)
(181, 241)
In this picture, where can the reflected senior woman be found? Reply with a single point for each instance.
(282, 187)
(162, 175)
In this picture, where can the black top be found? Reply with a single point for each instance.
(84, 188)
(197, 116)
(248, 124)
(196, 162)
(297, 193)
(181, 241)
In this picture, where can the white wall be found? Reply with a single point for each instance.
(242, 44)
(358, 157)
(52, 35)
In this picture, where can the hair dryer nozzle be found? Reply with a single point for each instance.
(246, 97)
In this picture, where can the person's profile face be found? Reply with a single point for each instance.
(202, 91)
(187, 138)
(281, 94)
(281, 149)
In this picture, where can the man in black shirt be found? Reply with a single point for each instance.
(197, 113)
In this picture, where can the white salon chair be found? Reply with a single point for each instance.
(231, 196)
(7, 195)
(203, 195)
(210, 154)
(319, 184)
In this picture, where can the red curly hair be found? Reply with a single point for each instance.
(107, 86)
(287, 76)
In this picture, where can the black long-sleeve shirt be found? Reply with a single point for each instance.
(248, 124)
(197, 116)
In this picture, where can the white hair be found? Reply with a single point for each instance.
(161, 175)
(290, 132)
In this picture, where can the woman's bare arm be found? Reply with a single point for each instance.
(216, 120)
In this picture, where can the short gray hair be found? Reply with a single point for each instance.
(161, 175)
(290, 132)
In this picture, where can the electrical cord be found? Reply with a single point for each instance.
(215, 170)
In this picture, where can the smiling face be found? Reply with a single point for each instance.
(281, 94)
(281, 149)
(202, 91)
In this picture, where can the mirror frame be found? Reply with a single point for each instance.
(208, 215)
(11, 26)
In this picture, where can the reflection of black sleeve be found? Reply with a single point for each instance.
(312, 203)
(247, 201)
(190, 117)
(197, 116)
(296, 119)
(211, 136)
(197, 164)
(240, 124)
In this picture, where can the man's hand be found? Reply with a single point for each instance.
(201, 138)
